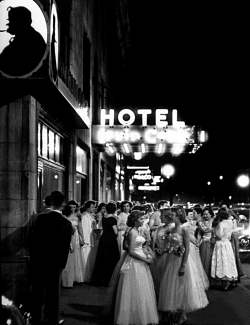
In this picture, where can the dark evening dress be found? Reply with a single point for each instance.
(108, 252)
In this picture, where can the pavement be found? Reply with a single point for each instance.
(82, 305)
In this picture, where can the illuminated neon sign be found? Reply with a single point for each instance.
(160, 117)
(148, 188)
(132, 134)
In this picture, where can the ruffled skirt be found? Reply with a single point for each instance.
(223, 261)
(135, 300)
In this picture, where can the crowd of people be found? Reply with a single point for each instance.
(156, 261)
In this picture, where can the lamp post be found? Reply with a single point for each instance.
(168, 171)
(243, 181)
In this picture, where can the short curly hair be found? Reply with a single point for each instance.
(134, 216)
(111, 207)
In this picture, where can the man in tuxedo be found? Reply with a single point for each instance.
(50, 248)
(32, 222)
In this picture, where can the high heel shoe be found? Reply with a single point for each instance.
(182, 320)
(226, 288)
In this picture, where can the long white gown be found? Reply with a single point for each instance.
(223, 260)
(73, 271)
(88, 251)
(135, 299)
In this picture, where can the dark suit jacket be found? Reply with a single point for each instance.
(51, 240)
(31, 228)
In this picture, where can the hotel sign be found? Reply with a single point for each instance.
(133, 134)
(127, 117)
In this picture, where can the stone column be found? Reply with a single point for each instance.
(18, 191)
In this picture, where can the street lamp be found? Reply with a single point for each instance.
(243, 180)
(168, 171)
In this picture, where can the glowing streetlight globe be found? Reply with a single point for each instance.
(167, 170)
(243, 180)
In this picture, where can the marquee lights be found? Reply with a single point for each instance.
(120, 128)
(149, 135)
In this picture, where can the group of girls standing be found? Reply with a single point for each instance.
(216, 239)
(156, 280)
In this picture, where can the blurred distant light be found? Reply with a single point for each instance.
(202, 136)
(137, 155)
(208, 183)
(243, 180)
(160, 148)
(143, 148)
(126, 148)
(221, 177)
(137, 167)
(167, 170)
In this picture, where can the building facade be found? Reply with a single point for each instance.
(47, 107)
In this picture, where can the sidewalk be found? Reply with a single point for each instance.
(245, 281)
(82, 305)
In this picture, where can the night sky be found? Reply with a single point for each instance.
(193, 57)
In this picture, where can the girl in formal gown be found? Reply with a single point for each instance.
(73, 271)
(88, 249)
(223, 260)
(108, 252)
(192, 226)
(122, 222)
(204, 237)
(181, 290)
(135, 299)
(159, 246)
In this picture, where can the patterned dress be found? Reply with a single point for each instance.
(223, 259)
(177, 293)
(159, 247)
(206, 246)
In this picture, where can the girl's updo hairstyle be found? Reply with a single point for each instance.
(223, 214)
(134, 216)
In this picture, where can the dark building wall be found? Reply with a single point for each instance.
(26, 175)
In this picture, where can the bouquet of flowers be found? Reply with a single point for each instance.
(179, 250)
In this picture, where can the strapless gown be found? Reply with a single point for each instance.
(135, 299)
(186, 292)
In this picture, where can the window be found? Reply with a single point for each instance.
(50, 144)
(81, 161)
